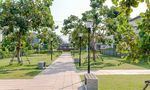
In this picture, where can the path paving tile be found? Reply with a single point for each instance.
(61, 75)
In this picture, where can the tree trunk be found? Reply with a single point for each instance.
(93, 46)
(18, 49)
(11, 61)
(18, 55)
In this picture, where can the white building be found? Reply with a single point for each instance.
(134, 21)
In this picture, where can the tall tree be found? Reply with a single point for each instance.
(96, 14)
(21, 16)
(73, 26)
(46, 35)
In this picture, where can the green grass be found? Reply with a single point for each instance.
(109, 63)
(25, 71)
(122, 82)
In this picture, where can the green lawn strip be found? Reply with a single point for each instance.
(25, 71)
(109, 62)
(122, 82)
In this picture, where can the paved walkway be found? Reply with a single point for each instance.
(61, 75)
(118, 72)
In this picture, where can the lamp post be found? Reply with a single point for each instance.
(80, 36)
(89, 25)
(39, 45)
(73, 47)
(51, 49)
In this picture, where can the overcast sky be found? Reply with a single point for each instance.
(61, 9)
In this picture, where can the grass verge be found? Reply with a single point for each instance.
(122, 82)
(25, 71)
(109, 63)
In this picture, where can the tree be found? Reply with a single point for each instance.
(144, 36)
(96, 14)
(45, 36)
(139, 44)
(73, 26)
(125, 6)
(21, 16)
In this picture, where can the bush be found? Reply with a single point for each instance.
(4, 54)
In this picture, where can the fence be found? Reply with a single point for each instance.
(110, 52)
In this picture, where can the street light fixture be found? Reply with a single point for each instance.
(80, 36)
(51, 49)
(89, 25)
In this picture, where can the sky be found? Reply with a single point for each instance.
(61, 9)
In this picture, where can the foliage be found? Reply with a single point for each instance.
(4, 53)
(46, 36)
(21, 16)
(127, 39)
(125, 6)
(9, 43)
(73, 26)
(135, 46)
(144, 35)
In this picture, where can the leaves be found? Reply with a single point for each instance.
(24, 16)
(115, 2)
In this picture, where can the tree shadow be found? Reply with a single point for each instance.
(4, 71)
(32, 73)
(12, 68)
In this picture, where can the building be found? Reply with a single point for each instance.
(65, 47)
(134, 21)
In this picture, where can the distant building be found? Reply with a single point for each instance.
(65, 47)
(104, 46)
(133, 21)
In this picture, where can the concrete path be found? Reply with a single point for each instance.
(118, 72)
(61, 75)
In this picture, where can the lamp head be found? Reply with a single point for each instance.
(80, 34)
(89, 24)
(51, 39)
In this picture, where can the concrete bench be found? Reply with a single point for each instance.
(147, 83)
(76, 60)
(91, 82)
(41, 65)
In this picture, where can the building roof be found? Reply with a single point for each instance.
(137, 17)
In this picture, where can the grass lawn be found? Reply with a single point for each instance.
(25, 71)
(122, 82)
(109, 63)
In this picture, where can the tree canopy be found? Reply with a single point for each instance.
(21, 16)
